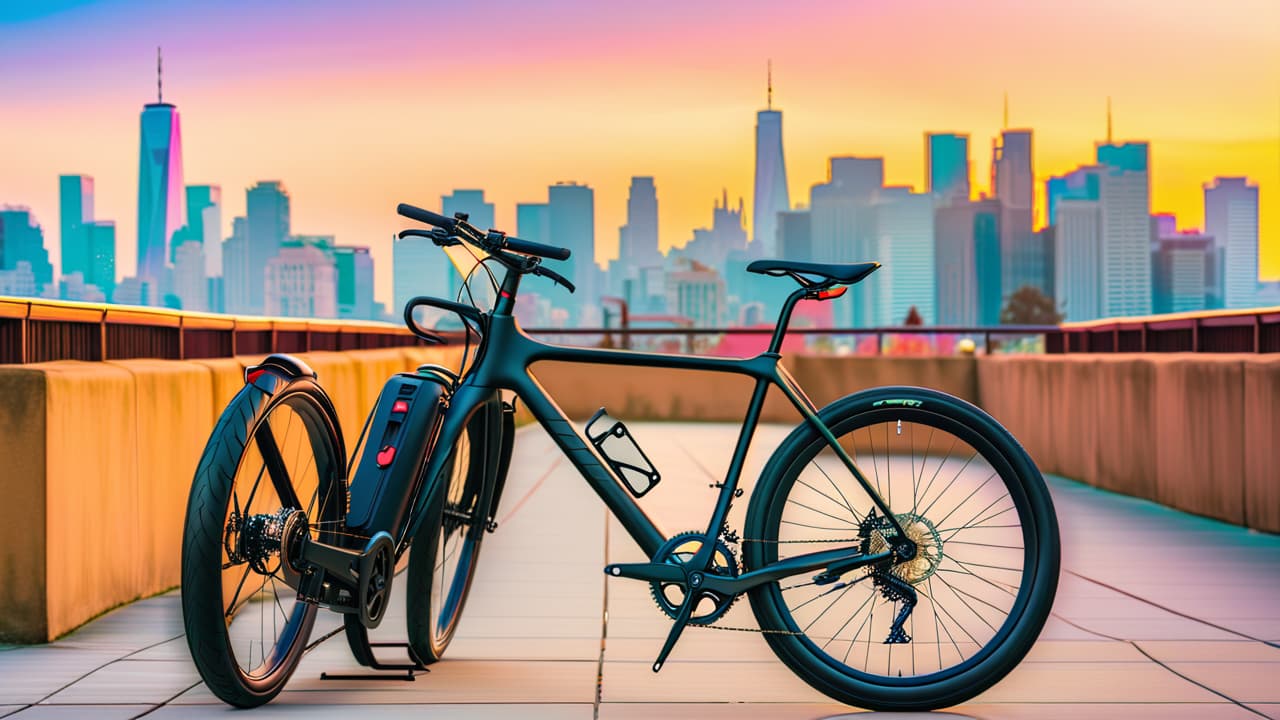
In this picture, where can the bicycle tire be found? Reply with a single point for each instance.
(215, 506)
(1028, 609)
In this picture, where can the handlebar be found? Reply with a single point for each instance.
(426, 216)
(528, 247)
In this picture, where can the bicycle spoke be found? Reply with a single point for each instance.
(833, 517)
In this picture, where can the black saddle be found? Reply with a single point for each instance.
(839, 273)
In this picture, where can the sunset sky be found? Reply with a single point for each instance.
(356, 106)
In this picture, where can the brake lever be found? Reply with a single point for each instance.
(556, 277)
(436, 235)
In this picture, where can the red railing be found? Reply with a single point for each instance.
(1216, 331)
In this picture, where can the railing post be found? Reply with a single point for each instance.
(24, 337)
(102, 335)
(1257, 332)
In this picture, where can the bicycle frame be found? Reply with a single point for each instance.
(503, 362)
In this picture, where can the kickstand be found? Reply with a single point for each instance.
(410, 669)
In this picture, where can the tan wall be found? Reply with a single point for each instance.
(96, 458)
(1196, 432)
(96, 461)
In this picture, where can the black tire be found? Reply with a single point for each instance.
(232, 493)
(444, 554)
(812, 650)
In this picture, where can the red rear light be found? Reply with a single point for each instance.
(400, 406)
(834, 292)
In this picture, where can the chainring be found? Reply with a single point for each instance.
(680, 549)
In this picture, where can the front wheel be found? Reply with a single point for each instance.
(983, 578)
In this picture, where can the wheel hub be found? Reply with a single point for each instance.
(921, 533)
(262, 539)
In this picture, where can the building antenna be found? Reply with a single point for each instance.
(1006, 110)
(770, 82)
(159, 76)
(1108, 119)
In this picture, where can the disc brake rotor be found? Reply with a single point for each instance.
(919, 531)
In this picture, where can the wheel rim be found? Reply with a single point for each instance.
(957, 497)
(454, 550)
(266, 514)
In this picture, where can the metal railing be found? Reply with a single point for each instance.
(37, 330)
(1216, 331)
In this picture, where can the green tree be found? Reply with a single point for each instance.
(1029, 306)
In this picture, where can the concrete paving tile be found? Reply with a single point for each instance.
(450, 681)
(472, 648)
(1061, 682)
(1211, 651)
(1248, 682)
(1166, 628)
(1267, 709)
(715, 682)
(694, 645)
(1099, 651)
(7, 710)
(582, 711)
(130, 681)
(1128, 711)
(729, 711)
(27, 675)
(78, 712)
(175, 649)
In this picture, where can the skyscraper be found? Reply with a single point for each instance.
(1022, 258)
(479, 213)
(418, 267)
(571, 220)
(22, 241)
(1231, 217)
(188, 276)
(267, 228)
(354, 269)
(159, 188)
(533, 222)
(1078, 258)
(967, 241)
(1181, 268)
(947, 166)
(842, 226)
(1125, 205)
(236, 278)
(75, 201)
(795, 237)
(904, 245)
(771, 195)
(204, 224)
(101, 236)
(300, 281)
(638, 239)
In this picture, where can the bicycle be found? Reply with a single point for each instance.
(838, 567)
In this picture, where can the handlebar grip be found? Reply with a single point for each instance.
(426, 216)
(529, 247)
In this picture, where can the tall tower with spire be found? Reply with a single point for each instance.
(160, 192)
(771, 196)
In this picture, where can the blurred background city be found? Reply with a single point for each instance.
(1010, 215)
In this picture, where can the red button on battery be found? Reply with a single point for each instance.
(400, 406)
(386, 455)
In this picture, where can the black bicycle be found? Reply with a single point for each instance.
(900, 549)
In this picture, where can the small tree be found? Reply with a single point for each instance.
(1029, 306)
(913, 318)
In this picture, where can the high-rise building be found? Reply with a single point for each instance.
(479, 213)
(571, 221)
(1078, 258)
(947, 166)
(22, 241)
(204, 222)
(418, 267)
(638, 239)
(1231, 217)
(771, 194)
(354, 268)
(237, 278)
(967, 241)
(75, 201)
(300, 281)
(1125, 204)
(795, 237)
(533, 222)
(268, 228)
(697, 292)
(1022, 257)
(712, 246)
(842, 227)
(159, 190)
(1181, 267)
(1079, 184)
(905, 247)
(189, 282)
(101, 236)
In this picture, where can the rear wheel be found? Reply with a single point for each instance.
(983, 578)
(271, 475)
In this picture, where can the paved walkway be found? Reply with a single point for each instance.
(1159, 615)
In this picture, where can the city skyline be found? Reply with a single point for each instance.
(684, 130)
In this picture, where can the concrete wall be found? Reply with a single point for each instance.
(96, 461)
(1197, 432)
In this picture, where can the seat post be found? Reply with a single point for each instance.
(784, 319)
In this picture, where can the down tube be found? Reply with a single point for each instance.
(632, 516)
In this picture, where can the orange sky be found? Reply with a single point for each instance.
(355, 109)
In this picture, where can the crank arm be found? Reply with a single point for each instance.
(649, 572)
(339, 564)
(835, 562)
